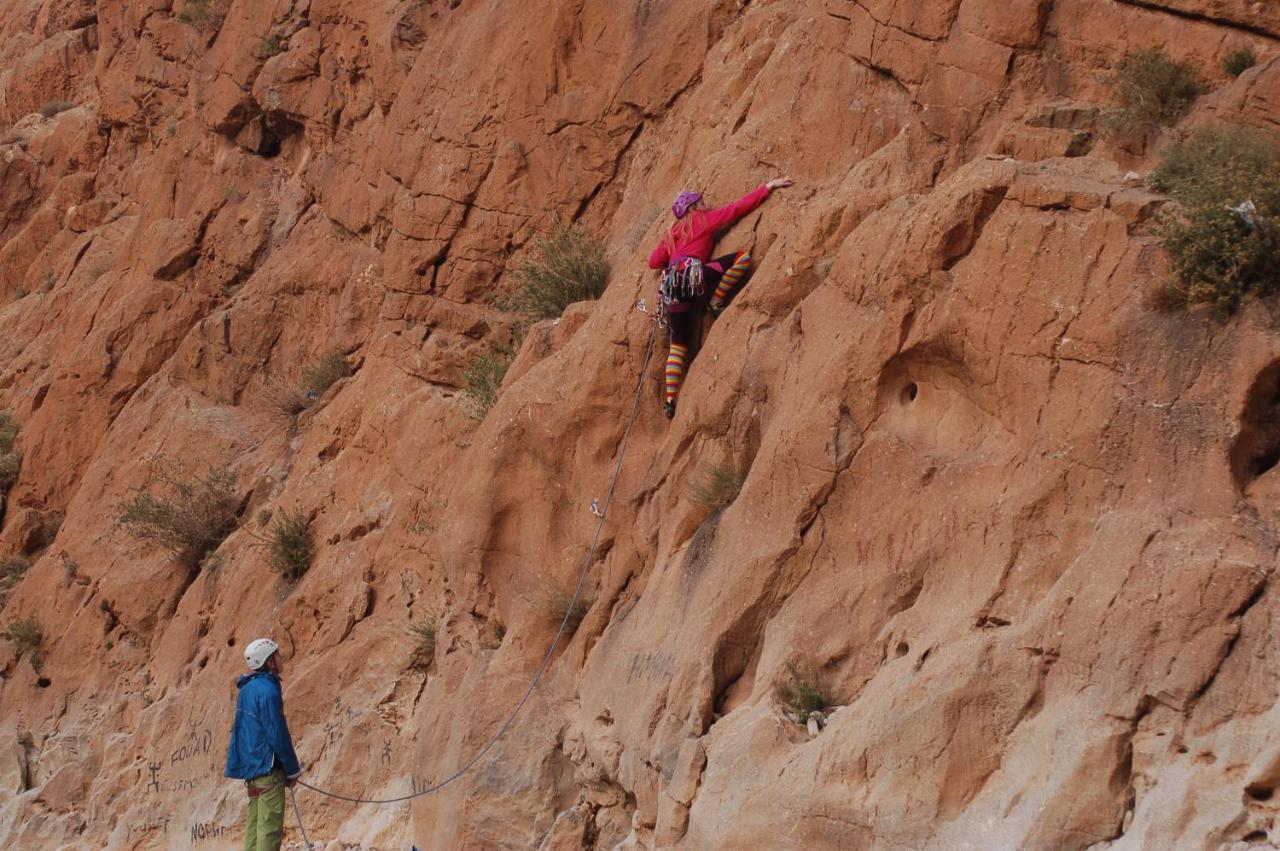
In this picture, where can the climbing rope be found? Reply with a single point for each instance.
(600, 511)
(293, 793)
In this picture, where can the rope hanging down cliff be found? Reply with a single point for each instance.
(602, 513)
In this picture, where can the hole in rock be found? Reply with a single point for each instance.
(1255, 836)
(910, 392)
(1256, 448)
(44, 682)
(231, 640)
(902, 649)
(1260, 793)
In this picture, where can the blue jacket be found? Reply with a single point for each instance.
(259, 734)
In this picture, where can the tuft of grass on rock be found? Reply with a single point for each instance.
(1223, 234)
(188, 514)
(322, 373)
(25, 634)
(55, 107)
(290, 544)
(424, 644)
(1237, 62)
(273, 45)
(561, 608)
(801, 692)
(204, 15)
(717, 486)
(566, 266)
(482, 381)
(1150, 90)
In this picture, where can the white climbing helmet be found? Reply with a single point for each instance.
(258, 651)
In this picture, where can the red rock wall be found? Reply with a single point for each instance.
(990, 491)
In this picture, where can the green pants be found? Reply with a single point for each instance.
(264, 827)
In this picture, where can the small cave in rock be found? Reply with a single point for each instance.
(43, 682)
(266, 134)
(902, 649)
(909, 392)
(1260, 792)
(1254, 836)
(1256, 448)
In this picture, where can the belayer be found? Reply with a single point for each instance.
(261, 751)
(691, 281)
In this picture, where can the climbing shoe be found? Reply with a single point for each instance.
(670, 408)
(715, 309)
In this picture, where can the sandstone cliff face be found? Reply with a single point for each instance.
(1023, 523)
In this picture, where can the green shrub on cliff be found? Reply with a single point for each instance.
(567, 266)
(1223, 235)
(801, 692)
(290, 544)
(1150, 90)
(187, 514)
(1239, 61)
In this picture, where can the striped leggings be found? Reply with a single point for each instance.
(726, 274)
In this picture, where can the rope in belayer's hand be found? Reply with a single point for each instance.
(602, 513)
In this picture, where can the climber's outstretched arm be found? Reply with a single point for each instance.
(722, 217)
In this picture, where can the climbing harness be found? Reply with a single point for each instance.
(259, 791)
(682, 282)
(600, 510)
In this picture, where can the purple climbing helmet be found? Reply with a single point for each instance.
(685, 201)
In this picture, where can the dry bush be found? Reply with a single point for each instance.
(187, 514)
(287, 399)
(10, 460)
(424, 644)
(1150, 90)
(1221, 254)
(567, 266)
(25, 634)
(12, 569)
(322, 373)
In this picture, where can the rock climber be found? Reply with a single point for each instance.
(692, 281)
(261, 751)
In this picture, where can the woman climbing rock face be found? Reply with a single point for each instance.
(690, 280)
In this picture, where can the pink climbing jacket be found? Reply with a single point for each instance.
(694, 236)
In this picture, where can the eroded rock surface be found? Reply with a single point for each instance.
(1023, 524)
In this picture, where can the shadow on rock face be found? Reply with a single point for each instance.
(1256, 448)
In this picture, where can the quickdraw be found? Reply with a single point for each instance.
(682, 282)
